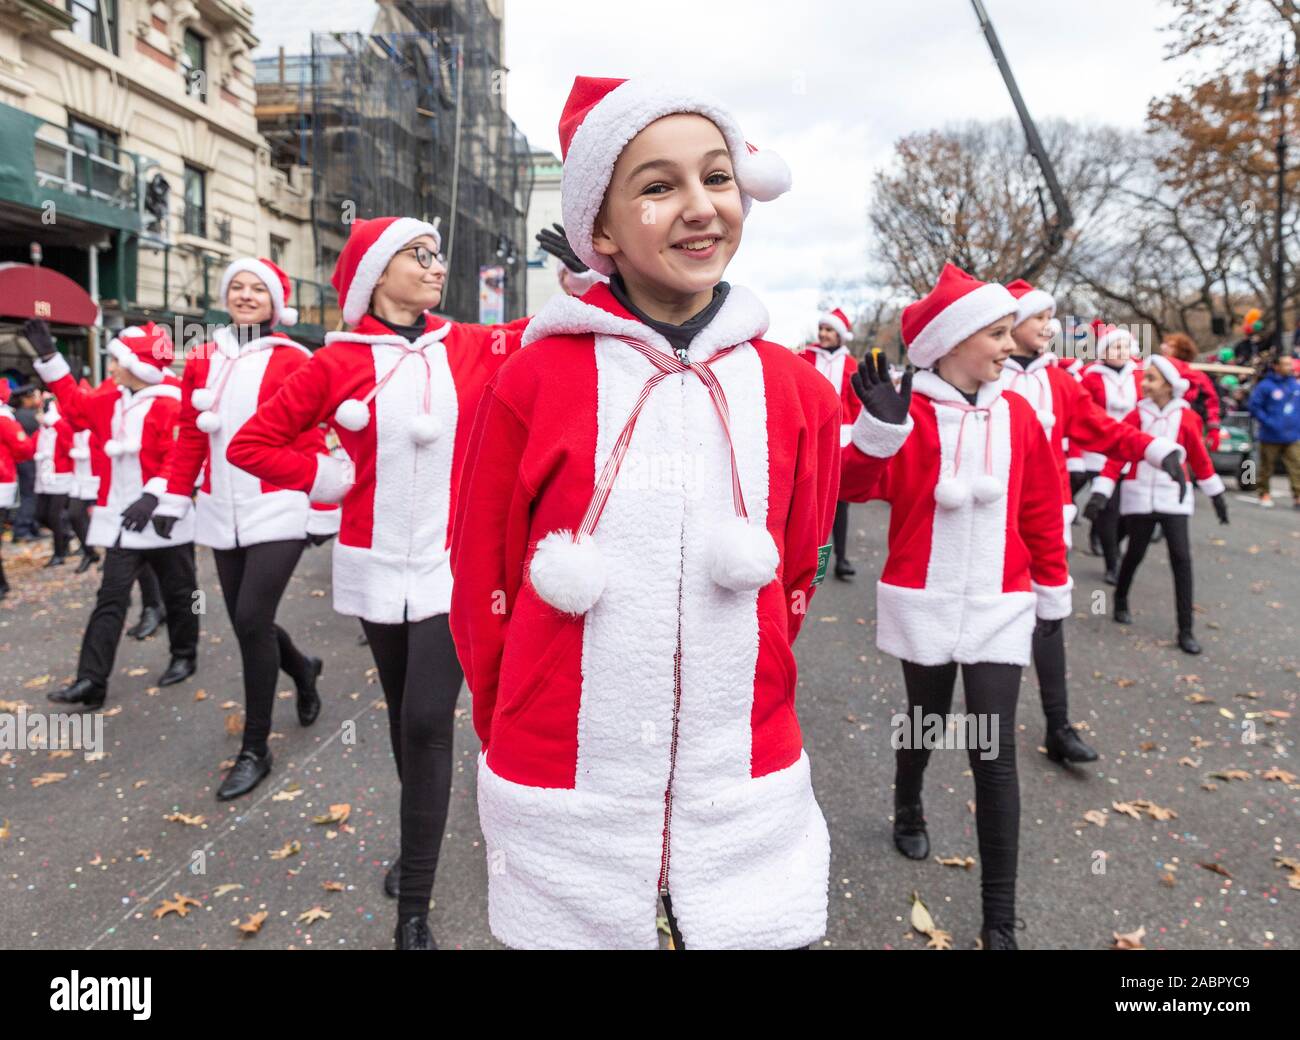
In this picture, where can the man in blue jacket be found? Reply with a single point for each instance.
(1275, 404)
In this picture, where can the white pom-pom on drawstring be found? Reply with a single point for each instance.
(951, 493)
(763, 175)
(352, 415)
(112, 448)
(742, 555)
(289, 316)
(1047, 419)
(208, 422)
(987, 488)
(79, 453)
(203, 399)
(425, 429)
(568, 575)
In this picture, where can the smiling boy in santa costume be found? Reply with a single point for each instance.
(1066, 410)
(635, 547)
(831, 357)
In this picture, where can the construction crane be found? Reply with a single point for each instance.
(1054, 226)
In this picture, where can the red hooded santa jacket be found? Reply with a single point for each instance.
(1149, 489)
(1117, 391)
(837, 366)
(15, 447)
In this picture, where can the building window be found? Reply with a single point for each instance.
(94, 160)
(196, 219)
(95, 22)
(194, 65)
(279, 250)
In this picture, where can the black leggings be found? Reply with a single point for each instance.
(991, 689)
(253, 579)
(1107, 528)
(840, 529)
(1049, 666)
(1078, 478)
(1140, 528)
(79, 520)
(421, 677)
(49, 513)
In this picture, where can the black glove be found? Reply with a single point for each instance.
(1045, 629)
(137, 514)
(318, 539)
(164, 524)
(555, 243)
(38, 335)
(1220, 507)
(1173, 465)
(876, 391)
(1096, 503)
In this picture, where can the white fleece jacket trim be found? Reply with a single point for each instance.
(156, 486)
(52, 369)
(1212, 486)
(173, 505)
(334, 478)
(1102, 486)
(880, 440)
(1054, 601)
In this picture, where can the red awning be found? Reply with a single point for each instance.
(27, 291)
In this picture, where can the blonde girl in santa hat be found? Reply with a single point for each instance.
(831, 357)
(635, 547)
(976, 560)
(399, 389)
(256, 530)
(1149, 496)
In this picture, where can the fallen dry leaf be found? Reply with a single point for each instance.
(1131, 940)
(185, 818)
(316, 913)
(1231, 774)
(337, 814)
(332, 886)
(253, 925)
(221, 890)
(1275, 773)
(235, 724)
(200, 695)
(48, 778)
(1215, 868)
(40, 680)
(4, 829)
(291, 848)
(956, 861)
(136, 671)
(178, 904)
(285, 795)
(939, 940)
(1198, 698)
(1096, 816)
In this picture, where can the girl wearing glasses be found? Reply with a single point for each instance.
(400, 388)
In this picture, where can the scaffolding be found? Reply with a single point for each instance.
(409, 123)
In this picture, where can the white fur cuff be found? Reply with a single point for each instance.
(880, 440)
(1102, 486)
(1211, 486)
(1054, 601)
(52, 369)
(173, 505)
(334, 478)
(323, 521)
(1161, 447)
(155, 486)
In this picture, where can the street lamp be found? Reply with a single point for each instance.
(1276, 86)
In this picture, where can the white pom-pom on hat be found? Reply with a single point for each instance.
(289, 316)
(987, 488)
(763, 175)
(352, 415)
(208, 422)
(742, 555)
(203, 399)
(951, 493)
(568, 575)
(425, 429)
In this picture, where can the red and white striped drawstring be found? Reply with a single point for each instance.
(206, 400)
(952, 492)
(354, 414)
(567, 569)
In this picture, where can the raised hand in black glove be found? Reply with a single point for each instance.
(137, 514)
(1220, 507)
(318, 539)
(1045, 629)
(1173, 465)
(555, 243)
(164, 524)
(876, 391)
(1096, 503)
(38, 335)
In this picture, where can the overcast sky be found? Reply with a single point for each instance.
(829, 85)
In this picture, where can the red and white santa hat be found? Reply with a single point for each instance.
(1030, 301)
(143, 350)
(839, 321)
(270, 275)
(1108, 334)
(602, 115)
(370, 245)
(1168, 368)
(956, 308)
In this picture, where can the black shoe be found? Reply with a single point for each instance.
(1112, 576)
(1187, 643)
(910, 837)
(249, 770)
(56, 561)
(308, 698)
(391, 878)
(150, 619)
(844, 570)
(1122, 615)
(999, 937)
(83, 693)
(88, 560)
(412, 933)
(1065, 743)
(180, 669)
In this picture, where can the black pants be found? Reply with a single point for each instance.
(991, 689)
(1078, 478)
(840, 529)
(25, 520)
(1140, 528)
(1049, 666)
(150, 588)
(49, 513)
(1107, 528)
(421, 677)
(174, 566)
(253, 579)
(79, 520)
